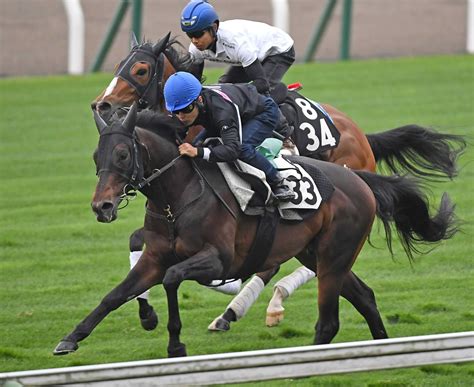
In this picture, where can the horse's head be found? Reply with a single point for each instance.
(138, 78)
(118, 163)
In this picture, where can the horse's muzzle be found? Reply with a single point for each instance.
(105, 211)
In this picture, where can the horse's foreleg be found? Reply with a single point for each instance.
(282, 290)
(241, 303)
(134, 284)
(202, 267)
(362, 297)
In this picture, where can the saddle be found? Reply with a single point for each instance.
(254, 194)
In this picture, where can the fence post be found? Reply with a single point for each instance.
(109, 37)
(346, 30)
(137, 18)
(319, 30)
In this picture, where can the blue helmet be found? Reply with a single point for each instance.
(180, 90)
(197, 16)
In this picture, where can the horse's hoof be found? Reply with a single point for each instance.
(219, 325)
(150, 322)
(274, 318)
(65, 347)
(178, 352)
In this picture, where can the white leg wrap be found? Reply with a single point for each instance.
(247, 296)
(231, 288)
(287, 285)
(134, 257)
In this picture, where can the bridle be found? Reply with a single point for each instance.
(136, 180)
(147, 98)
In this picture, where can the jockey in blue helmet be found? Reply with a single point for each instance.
(238, 114)
(256, 51)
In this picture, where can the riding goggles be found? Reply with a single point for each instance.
(188, 109)
(196, 34)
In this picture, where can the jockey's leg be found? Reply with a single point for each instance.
(282, 290)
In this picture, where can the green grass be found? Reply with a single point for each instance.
(57, 262)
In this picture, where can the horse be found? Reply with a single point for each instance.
(195, 230)
(421, 151)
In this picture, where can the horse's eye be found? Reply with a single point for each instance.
(142, 72)
(123, 155)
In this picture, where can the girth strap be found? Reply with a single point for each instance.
(262, 243)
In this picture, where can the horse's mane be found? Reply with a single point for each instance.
(162, 124)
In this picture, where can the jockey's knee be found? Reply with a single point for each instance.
(247, 152)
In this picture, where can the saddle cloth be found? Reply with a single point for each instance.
(253, 193)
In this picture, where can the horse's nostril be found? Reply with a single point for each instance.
(106, 206)
(103, 107)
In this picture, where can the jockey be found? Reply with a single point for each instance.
(257, 52)
(238, 114)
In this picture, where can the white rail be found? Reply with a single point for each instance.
(262, 365)
(470, 27)
(281, 14)
(76, 36)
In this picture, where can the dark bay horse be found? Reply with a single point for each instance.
(421, 151)
(193, 232)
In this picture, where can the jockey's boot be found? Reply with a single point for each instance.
(281, 190)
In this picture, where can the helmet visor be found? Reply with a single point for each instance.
(195, 34)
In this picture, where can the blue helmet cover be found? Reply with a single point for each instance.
(180, 90)
(197, 16)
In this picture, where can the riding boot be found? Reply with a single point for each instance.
(280, 190)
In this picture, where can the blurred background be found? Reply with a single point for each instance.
(34, 34)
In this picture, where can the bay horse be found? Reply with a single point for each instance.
(194, 229)
(421, 151)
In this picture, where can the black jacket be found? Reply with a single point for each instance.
(220, 117)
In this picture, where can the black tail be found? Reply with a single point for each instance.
(400, 200)
(420, 151)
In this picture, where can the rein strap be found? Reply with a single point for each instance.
(156, 173)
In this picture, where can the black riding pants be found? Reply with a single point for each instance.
(275, 66)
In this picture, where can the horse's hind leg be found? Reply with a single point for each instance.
(148, 316)
(362, 297)
(329, 289)
(241, 303)
(282, 290)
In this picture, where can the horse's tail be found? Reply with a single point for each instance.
(418, 150)
(401, 201)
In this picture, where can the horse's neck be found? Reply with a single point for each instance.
(176, 183)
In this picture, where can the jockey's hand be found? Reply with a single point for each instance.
(187, 150)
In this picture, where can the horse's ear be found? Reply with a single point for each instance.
(161, 45)
(133, 41)
(129, 121)
(99, 121)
